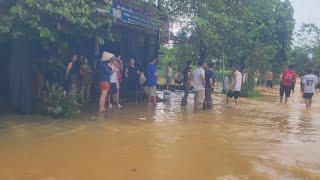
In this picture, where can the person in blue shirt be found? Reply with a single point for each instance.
(210, 78)
(105, 72)
(152, 82)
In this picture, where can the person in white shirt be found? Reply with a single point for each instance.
(114, 85)
(199, 86)
(310, 83)
(235, 89)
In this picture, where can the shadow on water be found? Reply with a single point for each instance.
(261, 139)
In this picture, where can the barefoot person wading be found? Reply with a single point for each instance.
(234, 92)
(104, 73)
(310, 83)
(287, 79)
(199, 86)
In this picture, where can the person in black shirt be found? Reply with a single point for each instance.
(210, 83)
(72, 73)
(187, 77)
(132, 74)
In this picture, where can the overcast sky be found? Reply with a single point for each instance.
(306, 11)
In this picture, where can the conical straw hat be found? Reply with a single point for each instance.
(106, 56)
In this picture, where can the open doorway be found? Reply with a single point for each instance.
(4, 74)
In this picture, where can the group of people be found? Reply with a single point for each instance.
(106, 79)
(202, 80)
(310, 83)
(109, 80)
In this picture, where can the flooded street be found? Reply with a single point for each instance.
(261, 139)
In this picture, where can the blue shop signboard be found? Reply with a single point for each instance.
(124, 11)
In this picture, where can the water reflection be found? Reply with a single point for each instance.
(261, 139)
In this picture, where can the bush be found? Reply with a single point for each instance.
(61, 105)
(246, 91)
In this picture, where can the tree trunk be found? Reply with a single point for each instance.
(202, 52)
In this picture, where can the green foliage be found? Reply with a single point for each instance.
(254, 34)
(51, 20)
(62, 106)
(306, 53)
(247, 91)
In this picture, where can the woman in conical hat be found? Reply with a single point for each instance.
(105, 71)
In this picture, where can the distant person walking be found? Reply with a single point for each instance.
(152, 82)
(287, 79)
(235, 89)
(199, 86)
(256, 77)
(310, 82)
(104, 73)
(187, 78)
(210, 77)
(169, 76)
(269, 77)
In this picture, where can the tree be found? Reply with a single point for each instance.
(306, 52)
(251, 33)
(46, 24)
(51, 20)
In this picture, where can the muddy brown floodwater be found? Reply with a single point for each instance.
(261, 139)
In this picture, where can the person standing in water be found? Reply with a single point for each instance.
(71, 74)
(132, 74)
(287, 79)
(86, 79)
(114, 94)
(210, 83)
(269, 77)
(152, 82)
(310, 83)
(235, 89)
(169, 75)
(187, 78)
(104, 73)
(199, 86)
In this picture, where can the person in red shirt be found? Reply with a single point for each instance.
(288, 77)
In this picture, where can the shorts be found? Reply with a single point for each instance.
(234, 94)
(285, 90)
(152, 91)
(269, 84)
(114, 88)
(104, 86)
(308, 95)
(199, 96)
